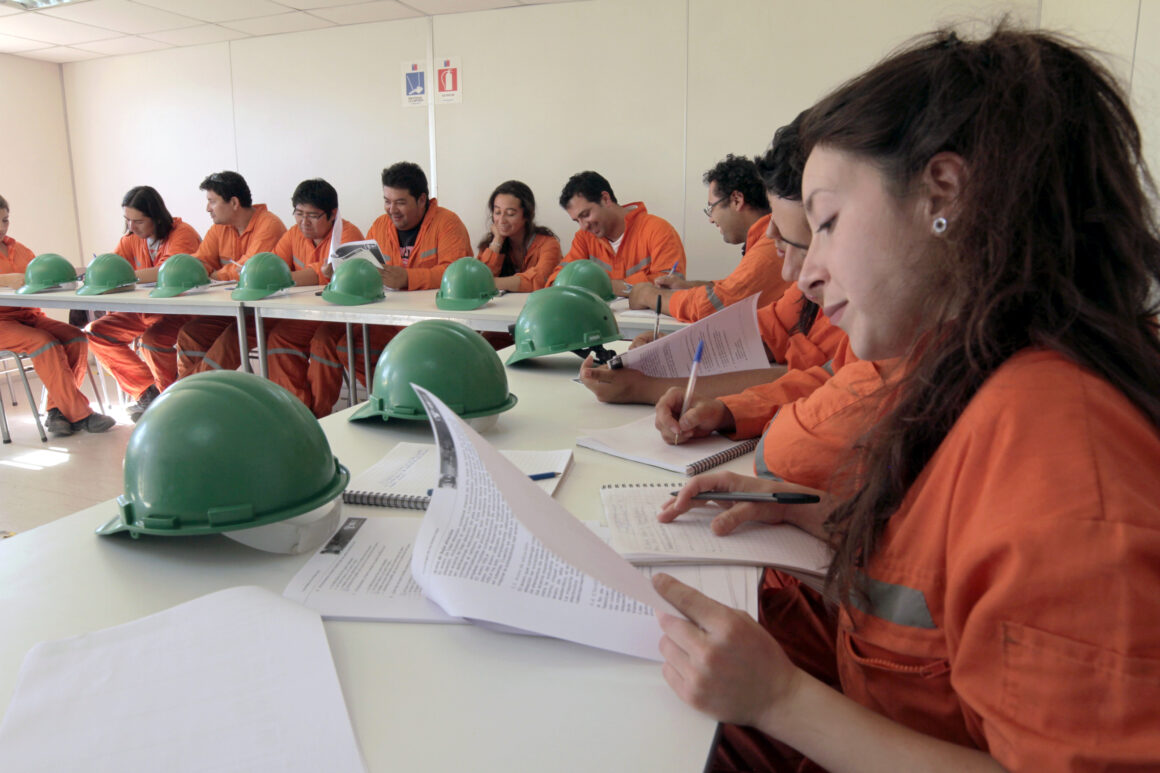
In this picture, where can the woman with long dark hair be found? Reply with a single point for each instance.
(520, 254)
(979, 209)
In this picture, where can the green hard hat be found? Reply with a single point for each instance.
(467, 284)
(448, 358)
(586, 274)
(222, 451)
(355, 282)
(262, 275)
(48, 272)
(107, 273)
(178, 274)
(562, 319)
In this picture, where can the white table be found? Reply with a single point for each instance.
(422, 697)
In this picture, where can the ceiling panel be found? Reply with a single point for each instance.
(130, 44)
(310, 5)
(363, 13)
(61, 54)
(122, 16)
(196, 36)
(458, 6)
(11, 45)
(46, 29)
(218, 10)
(276, 25)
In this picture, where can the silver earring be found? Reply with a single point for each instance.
(939, 225)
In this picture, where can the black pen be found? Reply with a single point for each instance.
(780, 497)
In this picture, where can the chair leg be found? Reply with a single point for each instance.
(8, 383)
(32, 403)
(4, 424)
(97, 391)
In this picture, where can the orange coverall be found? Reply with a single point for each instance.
(650, 247)
(1012, 604)
(541, 259)
(812, 359)
(110, 336)
(216, 338)
(758, 272)
(58, 350)
(442, 239)
(288, 344)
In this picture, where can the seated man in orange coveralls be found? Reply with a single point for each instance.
(626, 241)
(419, 239)
(317, 230)
(58, 350)
(739, 208)
(981, 210)
(240, 230)
(152, 236)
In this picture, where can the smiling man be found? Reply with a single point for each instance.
(419, 239)
(626, 241)
(738, 207)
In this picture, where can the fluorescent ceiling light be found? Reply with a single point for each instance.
(33, 5)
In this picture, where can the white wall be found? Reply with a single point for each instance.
(35, 174)
(648, 92)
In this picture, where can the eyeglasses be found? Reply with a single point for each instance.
(313, 217)
(709, 209)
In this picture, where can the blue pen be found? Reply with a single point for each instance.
(692, 377)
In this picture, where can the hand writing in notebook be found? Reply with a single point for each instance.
(808, 517)
(704, 416)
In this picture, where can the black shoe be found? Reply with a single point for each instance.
(94, 422)
(57, 424)
(143, 402)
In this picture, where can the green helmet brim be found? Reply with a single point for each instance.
(346, 299)
(253, 293)
(336, 486)
(460, 304)
(368, 411)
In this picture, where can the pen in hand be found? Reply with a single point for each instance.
(692, 378)
(780, 497)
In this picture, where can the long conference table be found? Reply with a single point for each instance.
(304, 303)
(421, 697)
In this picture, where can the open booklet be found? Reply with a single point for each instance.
(367, 250)
(732, 343)
(631, 511)
(364, 573)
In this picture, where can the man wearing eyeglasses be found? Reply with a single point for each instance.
(738, 206)
(307, 247)
(241, 229)
(628, 242)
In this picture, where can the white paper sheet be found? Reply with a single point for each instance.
(364, 573)
(238, 680)
(639, 441)
(732, 343)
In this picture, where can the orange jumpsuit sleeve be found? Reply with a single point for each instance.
(126, 248)
(1019, 580)
(284, 249)
(18, 258)
(758, 272)
(183, 240)
(446, 240)
(664, 251)
(808, 438)
(210, 250)
(261, 235)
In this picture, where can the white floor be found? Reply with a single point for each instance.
(40, 482)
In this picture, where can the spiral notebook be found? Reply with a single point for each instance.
(402, 478)
(639, 441)
(634, 531)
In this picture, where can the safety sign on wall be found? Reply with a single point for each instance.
(448, 80)
(414, 84)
